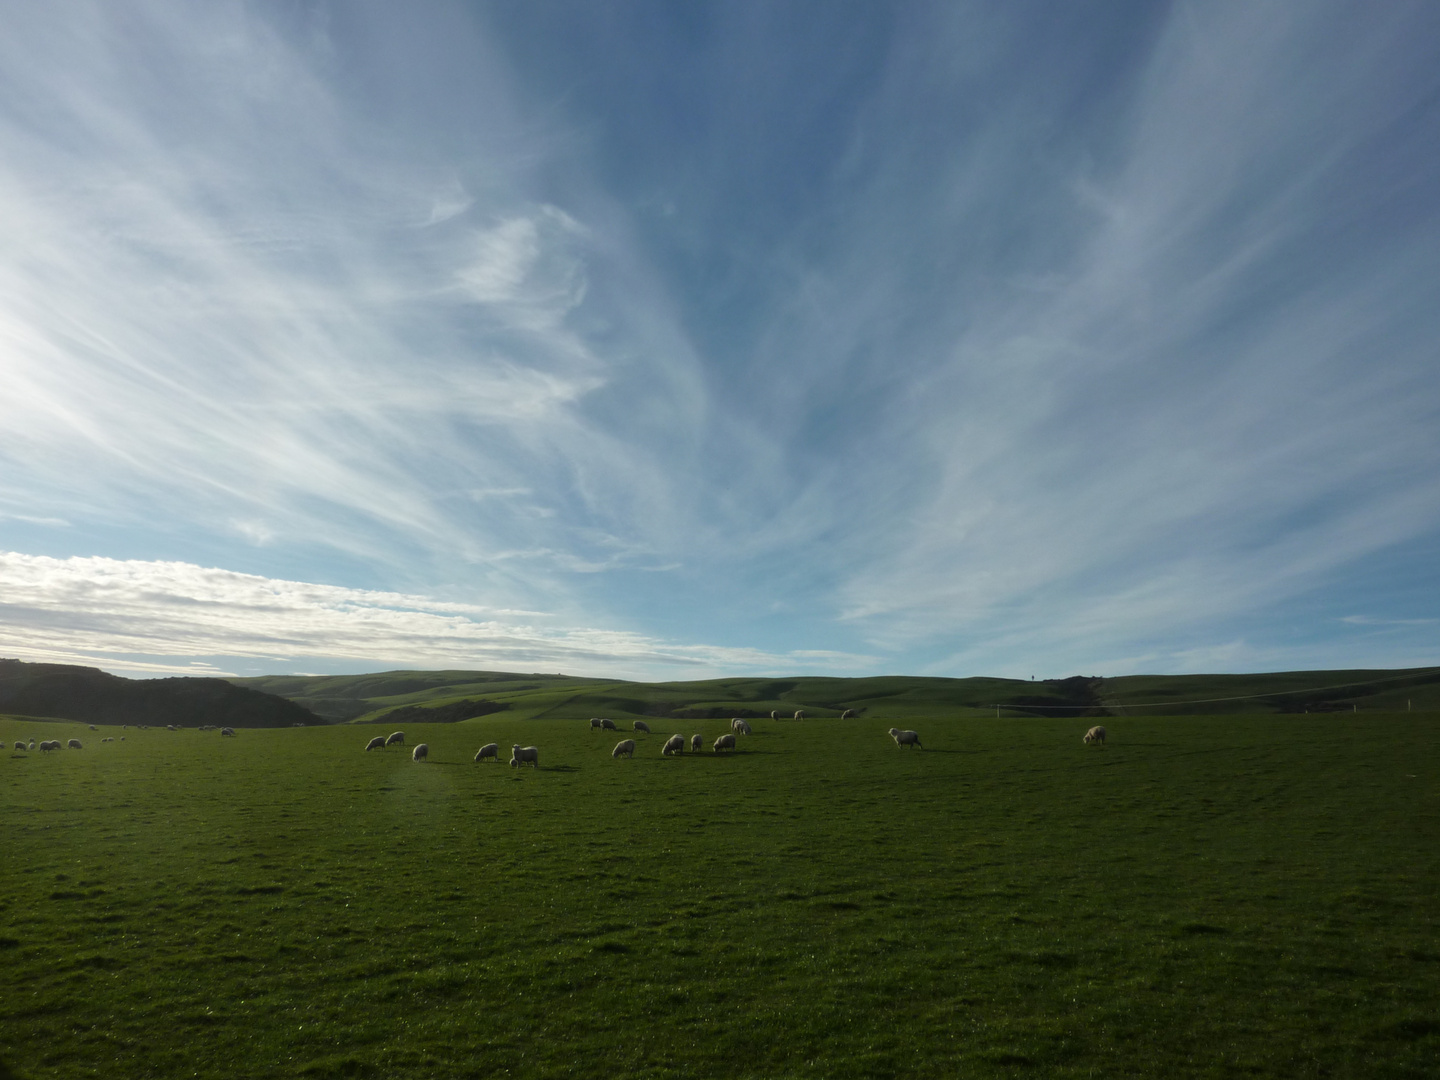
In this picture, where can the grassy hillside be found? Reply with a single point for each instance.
(1196, 898)
(369, 697)
(93, 696)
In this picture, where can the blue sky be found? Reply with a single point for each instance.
(671, 340)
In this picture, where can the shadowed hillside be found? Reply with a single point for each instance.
(465, 694)
(91, 696)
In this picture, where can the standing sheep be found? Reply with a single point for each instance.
(490, 750)
(377, 743)
(395, 738)
(607, 724)
(774, 714)
(227, 731)
(519, 755)
(1095, 734)
(421, 752)
(624, 746)
(848, 714)
(725, 742)
(905, 738)
(47, 745)
(74, 744)
(697, 743)
(594, 723)
(640, 725)
(673, 745)
(799, 714)
(740, 727)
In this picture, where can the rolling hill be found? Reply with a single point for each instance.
(369, 698)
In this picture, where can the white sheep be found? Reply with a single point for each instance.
(377, 743)
(799, 714)
(740, 727)
(774, 714)
(74, 744)
(594, 723)
(640, 725)
(421, 752)
(519, 755)
(227, 731)
(169, 727)
(108, 738)
(395, 738)
(905, 738)
(625, 747)
(725, 742)
(848, 714)
(1095, 734)
(47, 745)
(94, 728)
(490, 750)
(32, 744)
(607, 725)
(697, 743)
(673, 745)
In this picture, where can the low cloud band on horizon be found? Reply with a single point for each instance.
(128, 614)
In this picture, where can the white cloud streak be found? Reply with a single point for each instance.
(150, 616)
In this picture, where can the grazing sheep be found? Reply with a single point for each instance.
(774, 715)
(799, 714)
(46, 745)
(490, 750)
(421, 752)
(848, 714)
(377, 743)
(227, 731)
(32, 744)
(94, 728)
(640, 725)
(519, 755)
(607, 725)
(594, 723)
(725, 742)
(624, 746)
(1095, 734)
(740, 727)
(697, 743)
(169, 727)
(74, 744)
(395, 738)
(905, 738)
(673, 745)
(108, 738)
(2, 746)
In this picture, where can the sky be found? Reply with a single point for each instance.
(675, 340)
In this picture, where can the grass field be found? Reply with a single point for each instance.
(1248, 896)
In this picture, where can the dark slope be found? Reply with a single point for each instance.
(94, 697)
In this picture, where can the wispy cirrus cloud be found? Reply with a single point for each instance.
(981, 336)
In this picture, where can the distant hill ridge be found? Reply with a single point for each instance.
(92, 696)
(454, 695)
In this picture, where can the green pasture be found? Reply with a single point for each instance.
(1246, 896)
